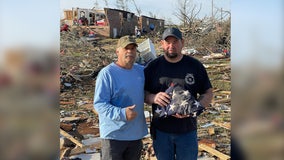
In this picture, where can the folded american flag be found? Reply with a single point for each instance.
(182, 103)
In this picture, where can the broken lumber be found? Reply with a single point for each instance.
(217, 66)
(222, 80)
(71, 138)
(211, 52)
(208, 142)
(224, 125)
(95, 112)
(213, 151)
(77, 150)
(216, 90)
(66, 126)
(222, 100)
(225, 92)
(211, 131)
(65, 153)
(67, 102)
(70, 119)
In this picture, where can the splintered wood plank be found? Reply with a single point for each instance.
(225, 92)
(222, 100)
(208, 142)
(213, 151)
(65, 153)
(224, 125)
(71, 138)
(95, 112)
(67, 102)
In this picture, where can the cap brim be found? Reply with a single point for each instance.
(129, 44)
(170, 35)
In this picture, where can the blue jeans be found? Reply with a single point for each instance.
(169, 146)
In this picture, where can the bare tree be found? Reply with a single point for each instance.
(221, 14)
(96, 5)
(187, 12)
(138, 10)
(169, 21)
(106, 3)
(122, 4)
(151, 14)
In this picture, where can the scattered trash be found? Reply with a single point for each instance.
(86, 156)
(146, 51)
(82, 60)
(207, 125)
(190, 51)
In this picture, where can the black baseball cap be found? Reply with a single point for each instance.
(172, 32)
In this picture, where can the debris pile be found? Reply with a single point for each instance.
(80, 62)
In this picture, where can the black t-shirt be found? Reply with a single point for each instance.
(188, 73)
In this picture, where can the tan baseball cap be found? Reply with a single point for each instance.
(126, 40)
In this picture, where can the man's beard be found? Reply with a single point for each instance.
(171, 55)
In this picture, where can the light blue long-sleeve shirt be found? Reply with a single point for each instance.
(117, 88)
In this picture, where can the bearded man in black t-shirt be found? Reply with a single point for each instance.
(175, 135)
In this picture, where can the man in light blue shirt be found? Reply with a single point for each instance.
(119, 101)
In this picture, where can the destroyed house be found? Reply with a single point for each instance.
(113, 23)
(148, 24)
(92, 17)
(120, 22)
